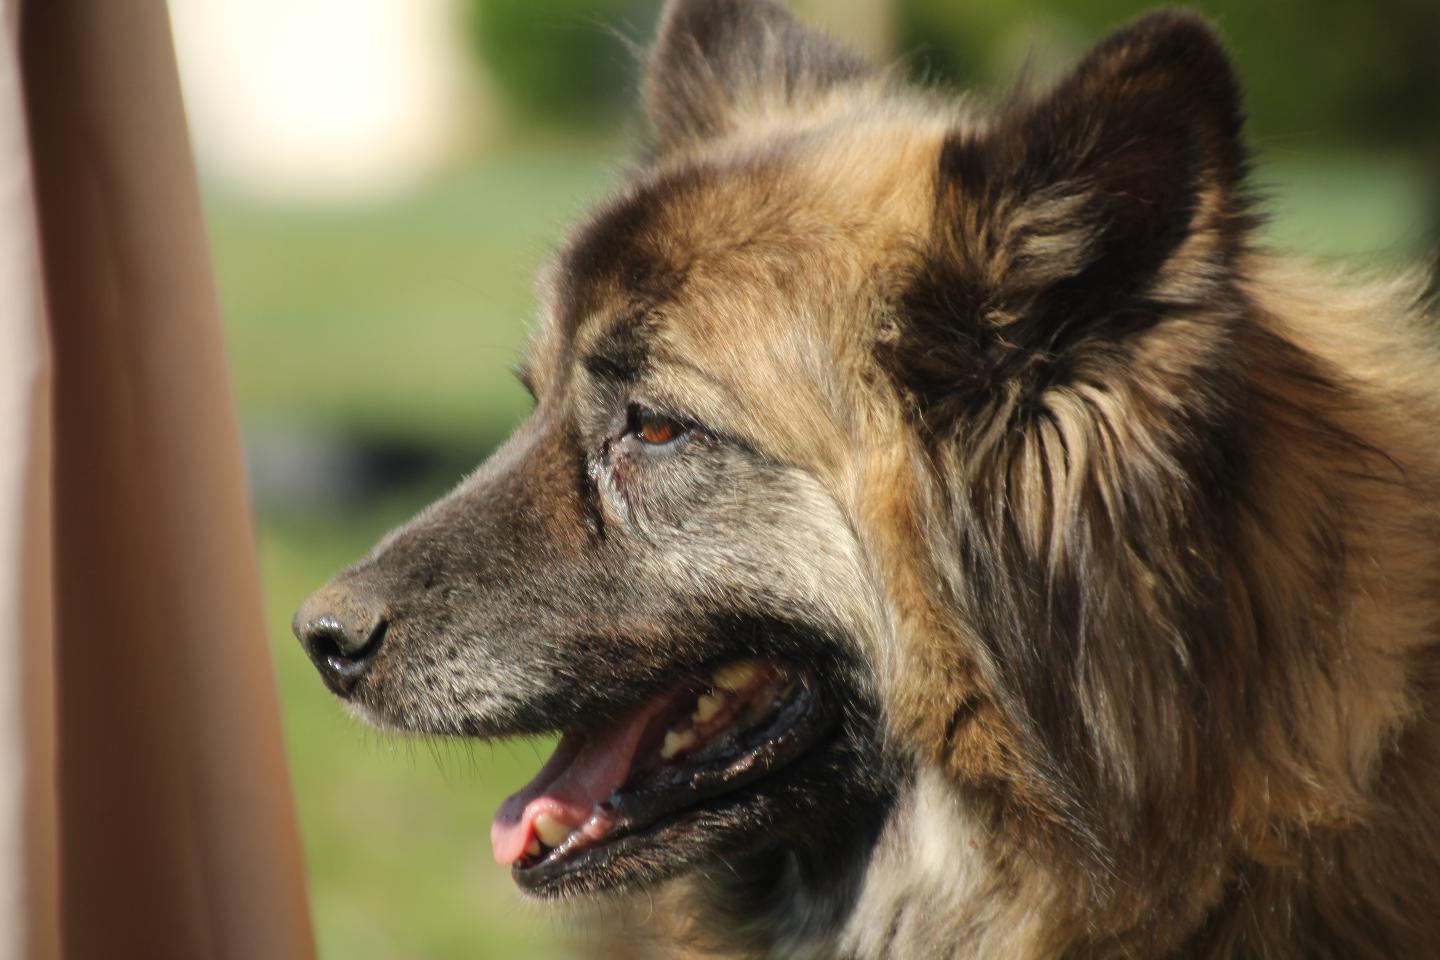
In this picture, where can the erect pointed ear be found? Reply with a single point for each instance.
(716, 62)
(1075, 214)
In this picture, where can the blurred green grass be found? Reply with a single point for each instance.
(403, 319)
(404, 316)
(1353, 207)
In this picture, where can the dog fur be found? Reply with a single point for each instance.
(1117, 530)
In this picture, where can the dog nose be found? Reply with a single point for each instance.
(341, 631)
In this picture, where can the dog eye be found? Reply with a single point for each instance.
(653, 428)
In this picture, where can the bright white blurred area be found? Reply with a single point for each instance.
(324, 100)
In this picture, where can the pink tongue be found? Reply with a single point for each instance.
(583, 771)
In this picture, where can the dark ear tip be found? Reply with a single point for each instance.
(705, 23)
(1174, 35)
(1178, 26)
(1182, 51)
(712, 56)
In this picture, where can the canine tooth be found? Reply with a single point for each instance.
(552, 832)
(706, 707)
(675, 742)
(734, 676)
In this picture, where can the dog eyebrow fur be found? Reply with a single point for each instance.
(618, 253)
(621, 355)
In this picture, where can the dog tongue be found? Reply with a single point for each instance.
(583, 771)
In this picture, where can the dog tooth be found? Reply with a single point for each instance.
(533, 848)
(552, 832)
(734, 676)
(706, 707)
(676, 742)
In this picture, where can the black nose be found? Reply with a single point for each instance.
(342, 632)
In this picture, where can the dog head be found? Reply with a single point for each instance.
(865, 429)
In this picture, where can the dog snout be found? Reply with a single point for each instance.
(342, 628)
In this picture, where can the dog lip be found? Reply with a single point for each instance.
(585, 763)
(633, 818)
(593, 762)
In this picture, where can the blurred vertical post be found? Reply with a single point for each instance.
(29, 882)
(175, 836)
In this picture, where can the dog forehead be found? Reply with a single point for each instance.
(746, 240)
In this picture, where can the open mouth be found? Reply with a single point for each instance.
(702, 739)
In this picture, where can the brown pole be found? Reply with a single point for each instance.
(176, 833)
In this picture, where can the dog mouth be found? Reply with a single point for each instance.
(626, 783)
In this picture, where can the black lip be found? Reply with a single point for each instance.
(653, 814)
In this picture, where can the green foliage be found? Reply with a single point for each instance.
(1321, 70)
(1316, 71)
(565, 60)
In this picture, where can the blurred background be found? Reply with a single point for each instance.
(383, 178)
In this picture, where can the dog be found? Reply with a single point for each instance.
(945, 530)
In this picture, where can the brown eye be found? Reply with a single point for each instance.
(654, 428)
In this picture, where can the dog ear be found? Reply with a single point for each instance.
(717, 62)
(1068, 347)
(1073, 215)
